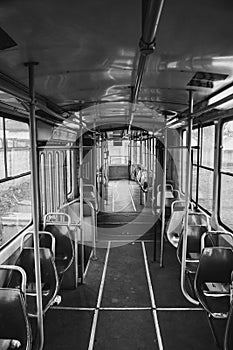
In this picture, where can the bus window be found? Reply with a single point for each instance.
(2, 162)
(18, 158)
(226, 175)
(206, 168)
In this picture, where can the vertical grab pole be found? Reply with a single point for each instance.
(141, 159)
(187, 199)
(94, 183)
(35, 202)
(129, 158)
(81, 196)
(163, 196)
(153, 196)
(148, 168)
(77, 226)
(102, 173)
(98, 167)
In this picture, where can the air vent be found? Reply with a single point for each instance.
(6, 41)
(206, 79)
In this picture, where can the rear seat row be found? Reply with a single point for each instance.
(208, 264)
(58, 247)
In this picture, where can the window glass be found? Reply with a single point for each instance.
(205, 188)
(194, 140)
(15, 207)
(18, 157)
(118, 151)
(42, 183)
(62, 179)
(138, 152)
(208, 146)
(227, 147)
(57, 180)
(194, 182)
(226, 200)
(183, 161)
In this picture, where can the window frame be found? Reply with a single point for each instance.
(220, 172)
(13, 177)
(199, 165)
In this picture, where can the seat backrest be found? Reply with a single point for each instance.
(175, 223)
(196, 218)
(215, 266)
(14, 322)
(46, 240)
(228, 338)
(194, 235)
(49, 278)
(64, 250)
(217, 239)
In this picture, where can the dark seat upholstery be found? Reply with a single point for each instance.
(64, 251)
(217, 239)
(14, 324)
(49, 278)
(228, 338)
(212, 280)
(194, 235)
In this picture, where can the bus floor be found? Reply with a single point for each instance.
(127, 301)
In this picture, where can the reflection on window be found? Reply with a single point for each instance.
(227, 147)
(205, 189)
(208, 146)
(226, 205)
(194, 140)
(50, 182)
(42, 183)
(57, 180)
(183, 160)
(194, 182)
(15, 207)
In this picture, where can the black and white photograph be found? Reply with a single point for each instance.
(116, 175)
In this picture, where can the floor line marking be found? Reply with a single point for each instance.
(124, 308)
(179, 309)
(131, 196)
(155, 316)
(71, 308)
(126, 240)
(140, 308)
(96, 313)
(88, 264)
(132, 222)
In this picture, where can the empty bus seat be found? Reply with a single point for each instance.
(90, 195)
(228, 338)
(46, 240)
(64, 250)
(212, 280)
(175, 223)
(217, 239)
(14, 324)
(89, 219)
(193, 252)
(49, 278)
(197, 218)
(171, 196)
